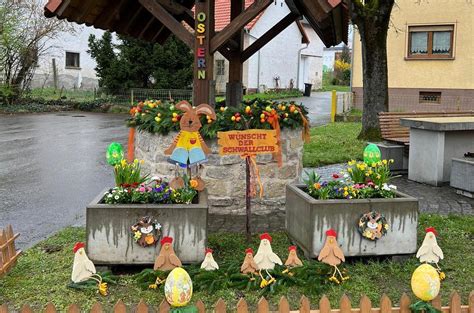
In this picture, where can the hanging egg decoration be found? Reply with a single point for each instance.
(114, 153)
(425, 282)
(372, 154)
(178, 288)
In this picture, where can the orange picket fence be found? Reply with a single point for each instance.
(345, 306)
(8, 252)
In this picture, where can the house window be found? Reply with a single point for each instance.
(430, 97)
(430, 42)
(220, 64)
(72, 60)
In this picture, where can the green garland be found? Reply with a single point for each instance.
(158, 117)
(311, 276)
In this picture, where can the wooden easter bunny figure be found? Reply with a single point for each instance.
(188, 148)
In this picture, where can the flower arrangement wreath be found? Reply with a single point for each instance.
(373, 225)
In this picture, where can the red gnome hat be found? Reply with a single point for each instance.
(78, 246)
(209, 250)
(431, 229)
(266, 236)
(331, 232)
(249, 250)
(166, 240)
(290, 248)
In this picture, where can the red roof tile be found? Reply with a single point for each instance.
(223, 14)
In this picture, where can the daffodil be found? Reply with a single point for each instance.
(384, 162)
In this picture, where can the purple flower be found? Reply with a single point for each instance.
(324, 184)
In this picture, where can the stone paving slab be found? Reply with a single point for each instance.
(440, 200)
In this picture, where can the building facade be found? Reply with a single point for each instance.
(430, 49)
(67, 63)
(290, 60)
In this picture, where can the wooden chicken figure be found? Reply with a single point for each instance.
(209, 264)
(166, 259)
(332, 254)
(249, 266)
(429, 251)
(266, 259)
(293, 259)
(83, 269)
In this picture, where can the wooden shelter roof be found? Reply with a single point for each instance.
(329, 18)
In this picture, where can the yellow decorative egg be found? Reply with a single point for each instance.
(425, 282)
(178, 288)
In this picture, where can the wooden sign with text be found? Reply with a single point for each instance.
(247, 142)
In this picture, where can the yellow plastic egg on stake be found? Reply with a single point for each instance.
(178, 288)
(425, 282)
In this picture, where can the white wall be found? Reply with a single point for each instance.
(84, 77)
(280, 56)
(311, 70)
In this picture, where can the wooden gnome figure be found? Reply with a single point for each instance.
(167, 258)
(332, 254)
(249, 266)
(293, 259)
(429, 251)
(266, 259)
(83, 269)
(209, 264)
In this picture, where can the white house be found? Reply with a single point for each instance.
(67, 55)
(292, 58)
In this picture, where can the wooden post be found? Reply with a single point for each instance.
(203, 58)
(234, 90)
(248, 211)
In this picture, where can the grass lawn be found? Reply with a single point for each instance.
(42, 276)
(269, 95)
(333, 143)
(338, 88)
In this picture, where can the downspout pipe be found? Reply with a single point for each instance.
(299, 65)
(258, 60)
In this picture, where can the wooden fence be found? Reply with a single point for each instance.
(345, 306)
(8, 252)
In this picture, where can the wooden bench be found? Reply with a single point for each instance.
(394, 132)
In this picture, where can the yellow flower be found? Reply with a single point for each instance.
(370, 172)
(123, 162)
(391, 160)
(175, 114)
(346, 193)
(384, 162)
(374, 164)
(157, 119)
(142, 161)
(345, 188)
(317, 185)
(349, 170)
(378, 176)
(152, 286)
(103, 289)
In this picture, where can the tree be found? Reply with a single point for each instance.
(372, 18)
(25, 34)
(132, 63)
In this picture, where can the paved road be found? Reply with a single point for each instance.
(319, 107)
(51, 166)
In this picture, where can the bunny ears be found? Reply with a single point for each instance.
(203, 108)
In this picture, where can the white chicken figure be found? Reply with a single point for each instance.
(265, 257)
(83, 268)
(209, 264)
(429, 251)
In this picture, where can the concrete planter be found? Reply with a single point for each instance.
(462, 173)
(109, 240)
(307, 220)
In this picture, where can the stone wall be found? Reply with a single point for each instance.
(225, 176)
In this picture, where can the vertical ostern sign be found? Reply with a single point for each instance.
(201, 49)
